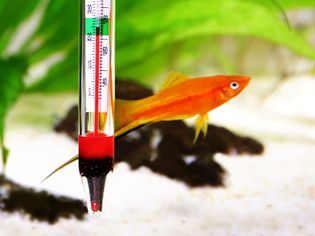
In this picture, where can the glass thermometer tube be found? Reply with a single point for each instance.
(96, 125)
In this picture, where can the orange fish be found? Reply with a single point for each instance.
(179, 98)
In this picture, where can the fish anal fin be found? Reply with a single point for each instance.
(201, 124)
(173, 79)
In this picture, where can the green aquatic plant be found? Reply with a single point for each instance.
(34, 33)
(42, 36)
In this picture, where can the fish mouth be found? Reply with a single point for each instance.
(244, 80)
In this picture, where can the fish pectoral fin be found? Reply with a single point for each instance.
(201, 123)
(173, 79)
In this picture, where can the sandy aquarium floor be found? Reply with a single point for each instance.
(273, 194)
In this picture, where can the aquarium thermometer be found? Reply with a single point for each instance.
(96, 124)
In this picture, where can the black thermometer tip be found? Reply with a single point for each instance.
(95, 172)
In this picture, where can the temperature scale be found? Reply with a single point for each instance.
(96, 125)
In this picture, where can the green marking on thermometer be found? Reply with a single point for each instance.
(90, 26)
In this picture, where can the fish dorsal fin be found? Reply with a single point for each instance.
(173, 79)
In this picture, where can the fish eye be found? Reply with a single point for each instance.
(234, 85)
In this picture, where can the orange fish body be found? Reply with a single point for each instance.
(179, 98)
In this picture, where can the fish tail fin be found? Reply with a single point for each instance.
(201, 123)
(123, 116)
(122, 112)
(61, 167)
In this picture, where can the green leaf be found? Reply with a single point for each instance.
(12, 71)
(291, 4)
(59, 32)
(62, 77)
(12, 14)
(5, 156)
(146, 29)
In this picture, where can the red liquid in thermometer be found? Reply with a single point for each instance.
(97, 79)
(96, 147)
